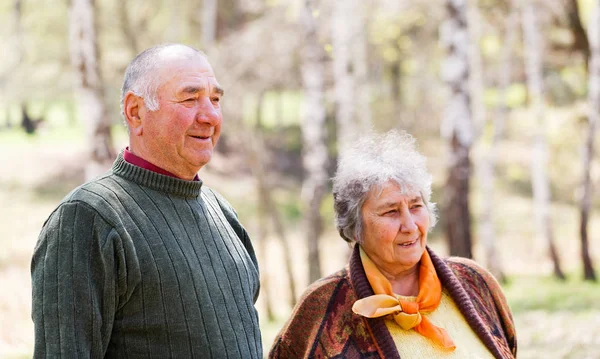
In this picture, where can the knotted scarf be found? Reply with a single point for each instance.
(406, 314)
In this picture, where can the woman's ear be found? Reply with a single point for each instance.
(133, 109)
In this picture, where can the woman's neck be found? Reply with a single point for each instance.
(404, 283)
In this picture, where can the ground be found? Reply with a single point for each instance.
(554, 320)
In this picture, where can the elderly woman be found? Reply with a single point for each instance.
(396, 298)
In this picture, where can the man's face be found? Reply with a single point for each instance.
(180, 136)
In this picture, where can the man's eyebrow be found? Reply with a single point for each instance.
(192, 90)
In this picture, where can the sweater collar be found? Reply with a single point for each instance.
(380, 333)
(154, 180)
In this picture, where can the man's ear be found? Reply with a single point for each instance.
(133, 109)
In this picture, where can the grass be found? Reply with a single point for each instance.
(533, 293)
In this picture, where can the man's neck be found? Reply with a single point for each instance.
(132, 158)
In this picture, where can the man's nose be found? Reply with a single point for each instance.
(207, 111)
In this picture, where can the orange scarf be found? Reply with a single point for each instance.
(406, 314)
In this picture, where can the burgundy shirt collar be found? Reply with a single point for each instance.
(129, 157)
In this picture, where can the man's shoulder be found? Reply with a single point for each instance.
(213, 194)
(92, 190)
(96, 195)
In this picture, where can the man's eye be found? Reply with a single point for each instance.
(189, 100)
(216, 99)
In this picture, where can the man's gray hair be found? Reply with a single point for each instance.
(368, 164)
(141, 75)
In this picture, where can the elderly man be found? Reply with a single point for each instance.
(145, 261)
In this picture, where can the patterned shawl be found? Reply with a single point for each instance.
(322, 324)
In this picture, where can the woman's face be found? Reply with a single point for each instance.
(395, 228)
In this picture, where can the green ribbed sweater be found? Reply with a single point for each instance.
(135, 264)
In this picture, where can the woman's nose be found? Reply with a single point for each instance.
(407, 223)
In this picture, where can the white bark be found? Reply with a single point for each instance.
(313, 137)
(457, 127)
(89, 87)
(209, 24)
(539, 158)
(477, 84)
(588, 150)
(487, 167)
(353, 114)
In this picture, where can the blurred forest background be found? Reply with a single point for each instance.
(503, 98)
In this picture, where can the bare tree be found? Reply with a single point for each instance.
(127, 28)
(267, 208)
(476, 80)
(588, 151)
(314, 149)
(350, 71)
(535, 84)
(580, 38)
(209, 24)
(487, 166)
(457, 128)
(89, 89)
(15, 42)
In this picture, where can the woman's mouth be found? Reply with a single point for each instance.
(408, 244)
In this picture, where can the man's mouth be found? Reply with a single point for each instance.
(203, 136)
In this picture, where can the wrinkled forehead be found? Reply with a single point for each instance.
(188, 72)
(392, 187)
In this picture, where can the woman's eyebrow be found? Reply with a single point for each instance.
(415, 199)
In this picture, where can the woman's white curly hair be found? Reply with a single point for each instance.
(369, 163)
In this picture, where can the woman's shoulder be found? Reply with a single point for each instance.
(323, 304)
(484, 290)
(325, 287)
(466, 268)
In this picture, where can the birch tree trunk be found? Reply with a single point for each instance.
(581, 42)
(314, 147)
(15, 42)
(541, 188)
(127, 28)
(361, 64)
(268, 209)
(476, 82)
(457, 128)
(89, 91)
(209, 24)
(349, 42)
(588, 151)
(488, 164)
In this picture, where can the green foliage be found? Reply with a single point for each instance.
(279, 108)
(516, 95)
(527, 293)
(491, 46)
(576, 78)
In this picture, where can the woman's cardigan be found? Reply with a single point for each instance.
(323, 325)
